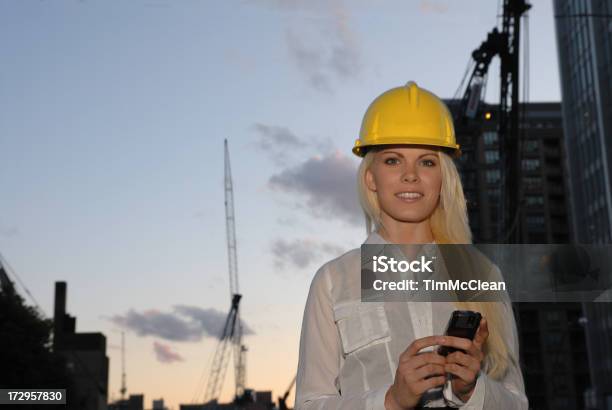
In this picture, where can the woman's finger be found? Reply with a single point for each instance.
(427, 384)
(427, 371)
(456, 342)
(482, 334)
(464, 373)
(465, 360)
(475, 352)
(418, 345)
(422, 359)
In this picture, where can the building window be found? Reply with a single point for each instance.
(531, 146)
(531, 164)
(533, 182)
(490, 137)
(554, 338)
(493, 176)
(534, 200)
(491, 156)
(535, 221)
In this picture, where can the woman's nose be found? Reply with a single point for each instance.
(410, 174)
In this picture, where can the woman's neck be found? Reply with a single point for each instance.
(407, 232)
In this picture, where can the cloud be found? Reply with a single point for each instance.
(209, 318)
(334, 53)
(428, 6)
(183, 324)
(309, 60)
(282, 145)
(326, 187)
(301, 253)
(164, 353)
(272, 136)
(345, 57)
(9, 231)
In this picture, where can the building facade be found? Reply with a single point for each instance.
(552, 336)
(584, 43)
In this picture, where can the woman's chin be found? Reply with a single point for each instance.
(412, 217)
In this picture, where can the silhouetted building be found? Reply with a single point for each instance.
(553, 354)
(552, 336)
(251, 400)
(585, 57)
(133, 402)
(159, 405)
(584, 43)
(85, 354)
(544, 216)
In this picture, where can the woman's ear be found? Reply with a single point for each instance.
(369, 180)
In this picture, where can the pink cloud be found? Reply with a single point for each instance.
(165, 354)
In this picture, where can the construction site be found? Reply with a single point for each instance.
(518, 167)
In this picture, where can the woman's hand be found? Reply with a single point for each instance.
(416, 373)
(465, 366)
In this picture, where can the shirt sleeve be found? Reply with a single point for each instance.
(321, 356)
(476, 400)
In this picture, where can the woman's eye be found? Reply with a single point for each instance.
(391, 161)
(429, 163)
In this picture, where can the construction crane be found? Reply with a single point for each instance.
(123, 384)
(232, 330)
(505, 44)
(282, 401)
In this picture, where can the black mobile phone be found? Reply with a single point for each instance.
(463, 323)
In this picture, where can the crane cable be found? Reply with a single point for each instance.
(14, 274)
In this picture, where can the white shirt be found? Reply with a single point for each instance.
(349, 349)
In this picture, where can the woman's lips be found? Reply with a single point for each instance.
(409, 196)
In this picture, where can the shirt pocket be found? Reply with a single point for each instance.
(361, 324)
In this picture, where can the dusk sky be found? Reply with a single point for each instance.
(112, 120)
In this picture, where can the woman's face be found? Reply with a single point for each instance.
(407, 181)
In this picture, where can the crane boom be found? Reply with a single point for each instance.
(232, 330)
(230, 226)
(219, 363)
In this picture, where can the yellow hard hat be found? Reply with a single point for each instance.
(407, 115)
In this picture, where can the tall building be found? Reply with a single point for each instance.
(552, 335)
(585, 64)
(584, 43)
(85, 355)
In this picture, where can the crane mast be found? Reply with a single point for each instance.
(504, 44)
(232, 329)
(509, 118)
(239, 349)
(123, 384)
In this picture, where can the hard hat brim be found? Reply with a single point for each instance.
(453, 151)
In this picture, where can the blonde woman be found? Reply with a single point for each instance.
(362, 355)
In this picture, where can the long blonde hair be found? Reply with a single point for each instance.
(449, 225)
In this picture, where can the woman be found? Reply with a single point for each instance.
(357, 355)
